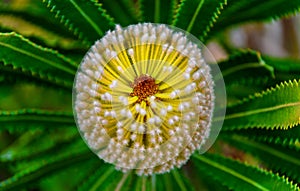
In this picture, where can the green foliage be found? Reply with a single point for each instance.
(205, 18)
(156, 11)
(281, 159)
(87, 19)
(40, 62)
(277, 107)
(239, 176)
(28, 119)
(198, 16)
(124, 12)
(40, 148)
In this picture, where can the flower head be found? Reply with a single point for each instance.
(143, 98)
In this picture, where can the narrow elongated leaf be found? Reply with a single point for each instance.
(279, 158)
(123, 11)
(104, 177)
(11, 76)
(198, 16)
(37, 33)
(44, 63)
(181, 180)
(204, 18)
(26, 119)
(252, 10)
(284, 68)
(76, 153)
(87, 19)
(244, 64)
(277, 107)
(157, 11)
(32, 143)
(35, 12)
(239, 176)
(70, 177)
(288, 138)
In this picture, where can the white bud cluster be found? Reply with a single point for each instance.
(133, 129)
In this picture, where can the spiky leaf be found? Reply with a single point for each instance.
(71, 155)
(27, 119)
(279, 158)
(236, 12)
(288, 138)
(284, 68)
(198, 16)
(158, 11)
(244, 64)
(34, 12)
(40, 62)
(102, 179)
(34, 142)
(124, 12)
(87, 19)
(205, 18)
(277, 107)
(239, 176)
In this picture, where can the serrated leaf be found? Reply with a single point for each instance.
(11, 76)
(279, 158)
(38, 33)
(123, 11)
(40, 62)
(284, 68)
(238, 176)
(100, 179)
(70, 177)
(34, 11)
(66, 157)
(205, 18)
(157, 11)
(198, 16)
(288, 138)
(87, 19)
(244, 64)
(31, 143)
(277, 107)
(252, 10)
(28, 119)
(181, 180)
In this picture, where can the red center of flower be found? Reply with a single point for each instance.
(144, 86)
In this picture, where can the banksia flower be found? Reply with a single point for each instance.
(143, 98)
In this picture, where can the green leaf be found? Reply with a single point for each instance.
(70, 177)
(104, 177)
(288, 138)
(279, 158)
(123, 11)
(277, 107)
(40, 62)
(181, 180)
(28, 119)
(252, 10)
(87, 19)
(198, 16)
(244, 64)
(35, 12)
(37, 33)
(157, 11)
(76, 153)
(205, 18)
(238, 176)
(32, 143)
(284, 68)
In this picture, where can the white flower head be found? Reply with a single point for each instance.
(146, 86)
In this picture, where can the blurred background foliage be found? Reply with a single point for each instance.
(280, 39)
